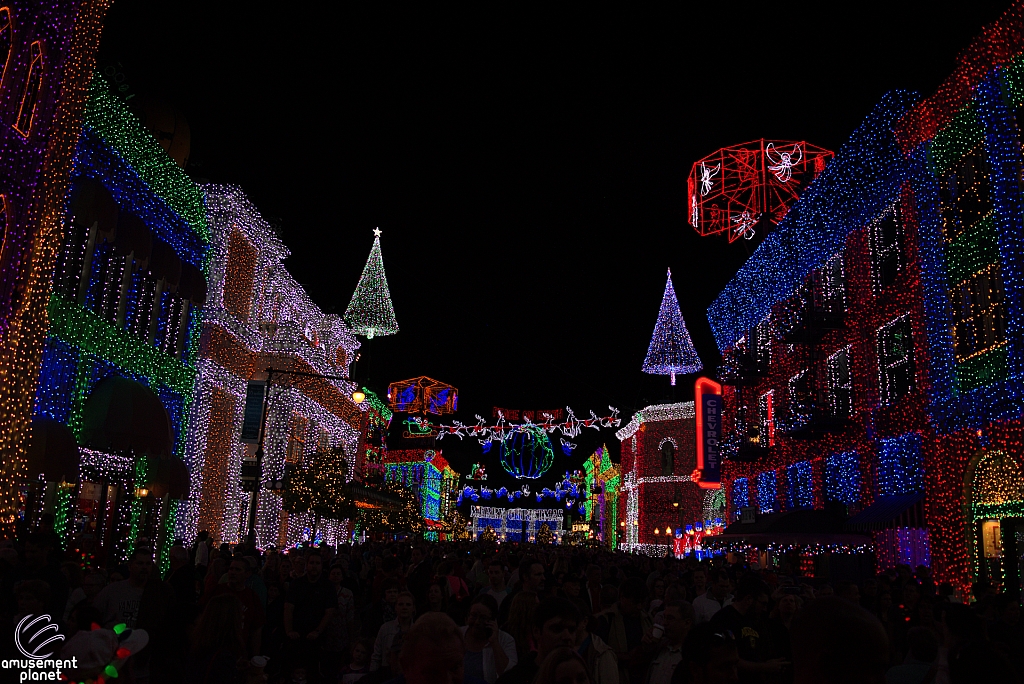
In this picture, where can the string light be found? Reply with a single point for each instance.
(257, 316)
(671, 350)
(41, 165)
(370, 311)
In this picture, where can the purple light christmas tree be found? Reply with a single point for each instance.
(671, 349)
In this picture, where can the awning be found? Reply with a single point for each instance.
(900, 510)
(123, 415)
(798, 527)
(91, 204)
(171, 477)
(52, 452)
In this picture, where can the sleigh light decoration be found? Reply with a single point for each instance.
(745, 188)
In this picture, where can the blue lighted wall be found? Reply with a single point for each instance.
(842, 478)
(767, 491)
(862, 180)
(900, 466)
(56, 390)
(799, 486)
(740, 495)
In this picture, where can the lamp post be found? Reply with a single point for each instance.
(257, 469)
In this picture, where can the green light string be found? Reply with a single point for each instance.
(983, 369)
(972, 250)
(1011, 79)
(167, 537)
(90, 333)
(62, 513)
(108, 117)
(379, 406)
(960, 137)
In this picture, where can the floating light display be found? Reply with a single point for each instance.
(527, 453)
(671, 350)
(571, 426)
(730, 190)
(370, 311)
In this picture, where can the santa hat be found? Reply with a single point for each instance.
(100, 653)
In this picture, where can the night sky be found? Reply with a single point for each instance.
(528, 170)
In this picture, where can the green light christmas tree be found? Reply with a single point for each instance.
(370, 312)
(671, 349)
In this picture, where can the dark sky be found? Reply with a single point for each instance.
(528, 170)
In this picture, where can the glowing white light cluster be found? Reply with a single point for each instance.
(570, 427)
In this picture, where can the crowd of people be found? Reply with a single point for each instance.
(478, 612)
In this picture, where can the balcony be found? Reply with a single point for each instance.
(813, 421)
(739, 367)
(745, 446)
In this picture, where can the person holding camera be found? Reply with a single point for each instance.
(489, 651)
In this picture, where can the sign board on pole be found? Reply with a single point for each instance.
(708, 405)
(252, 417)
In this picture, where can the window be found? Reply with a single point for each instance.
(6, 37)
(900, 468)
(766, 419)
(668, 457)
(767, 491)
(176, 325)
(840, 388)
(323, 442)
(761, 344)
(828, 286)
(801, 397)
(799, 486)
(885, 238)
(979, 317)
(30, 95)
(239, 275)
(842, 477)
(895, 361)
(297, 439)
(964, 193)
(740, 495)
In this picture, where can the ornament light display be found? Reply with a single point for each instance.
(671, 350)
(370, 311)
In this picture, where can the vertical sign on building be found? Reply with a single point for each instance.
(252, 417)
(708, 404)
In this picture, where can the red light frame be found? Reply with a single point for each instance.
(701, 387)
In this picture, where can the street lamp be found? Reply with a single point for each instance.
(358, 397)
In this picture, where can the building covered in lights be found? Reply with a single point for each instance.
(658, 498)
(259, 317)
(602, 481)
(118, 361)
(872, 345)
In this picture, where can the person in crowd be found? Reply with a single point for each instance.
(433, 652)
(383, 611)
(92, 583)
(359, 663)
(253, 616)
(520, 621)
(119, 602)
(201, 554)
(308, 609)
(554, 626)
(745, 617)
(437, 597)
(218, 643)
(496, 588)
(563, 666)
(602, 665)
(628, 624)
(836, 641)
(571, 590)
(678, 620)
(715, 598)
(39, 563)
(391, 632)
(709, 657)
(419, 574)
(698, 582)
(489, 651)
(922, 662)
(531, 578)
(593, 592)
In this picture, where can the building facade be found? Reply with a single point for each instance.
(872, 344)
(48, 50)
(658, 497)
(602, 481)
(118, 361)
(257, 318)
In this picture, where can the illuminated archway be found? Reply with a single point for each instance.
(993, 492)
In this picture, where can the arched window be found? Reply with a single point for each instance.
(668, 457)
(6, 37)
(30, 96)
